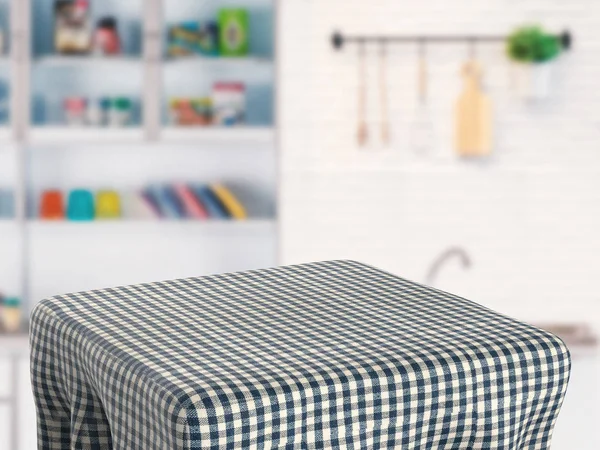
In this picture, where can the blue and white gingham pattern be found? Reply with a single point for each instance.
(331, 355)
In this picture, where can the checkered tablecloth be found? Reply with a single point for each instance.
(332, 355)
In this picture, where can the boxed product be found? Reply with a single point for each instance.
(229, 103)
(191, 112)
(192, 38)
(234, 30)
(72, 27)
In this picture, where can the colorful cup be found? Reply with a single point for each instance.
(108, 205)
(52, 206)
(81, 205)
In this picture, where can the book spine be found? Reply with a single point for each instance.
(193, 206)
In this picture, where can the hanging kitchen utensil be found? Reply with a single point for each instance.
(422, 128)
(383, 92)
(362, 131)
(473, 114)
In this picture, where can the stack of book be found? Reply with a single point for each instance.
(195, 202)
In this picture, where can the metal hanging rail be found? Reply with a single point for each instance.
(338, 39)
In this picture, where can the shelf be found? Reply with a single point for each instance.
(86, 61)
(220, 61)
(150, 230)
(73, 135)
(59, 135)
(250, 224)
(241, 135)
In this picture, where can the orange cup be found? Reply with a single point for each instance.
(52, 206)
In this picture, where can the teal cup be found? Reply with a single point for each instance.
(81, 205)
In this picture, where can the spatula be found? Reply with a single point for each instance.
(422, 127)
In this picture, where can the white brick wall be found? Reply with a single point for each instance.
(528, 216)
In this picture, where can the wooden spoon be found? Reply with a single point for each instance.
(422, 136)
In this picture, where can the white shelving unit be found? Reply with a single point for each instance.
(62, 157)
(44, 258)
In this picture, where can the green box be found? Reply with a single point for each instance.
(234, 30)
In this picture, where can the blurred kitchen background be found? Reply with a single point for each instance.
(451, 142)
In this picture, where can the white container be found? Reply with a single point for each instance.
(75, 111)
(534, 81)
(229, 103)
(94, 114)
(119, 115)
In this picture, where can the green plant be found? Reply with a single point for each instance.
(531, 44)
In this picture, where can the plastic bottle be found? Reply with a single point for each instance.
(75, 109)
(94, 114)
(120, 113)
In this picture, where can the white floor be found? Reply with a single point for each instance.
(580, 417)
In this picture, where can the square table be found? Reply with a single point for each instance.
(330, 355)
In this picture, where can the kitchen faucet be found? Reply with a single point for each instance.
(437, 265)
